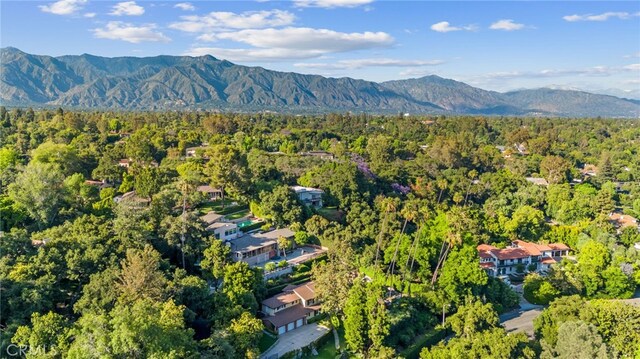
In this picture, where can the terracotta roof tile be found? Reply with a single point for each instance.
(559, 247)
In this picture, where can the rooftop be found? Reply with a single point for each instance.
(537, 181)
(288, 315)
(221, 225)
(623, 220)
(208, 189)
(300, 189)
(280, 299)
(211, 217)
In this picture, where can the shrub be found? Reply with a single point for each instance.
(270, 267)
(537, 290)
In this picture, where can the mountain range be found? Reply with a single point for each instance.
(183, 82)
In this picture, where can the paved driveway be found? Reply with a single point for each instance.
(521, 320)
(296, 339)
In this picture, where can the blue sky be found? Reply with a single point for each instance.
(500, 45)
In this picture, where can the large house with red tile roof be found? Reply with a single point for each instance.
(505, 261)
(291, 308)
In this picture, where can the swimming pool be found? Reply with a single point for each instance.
(244, 224)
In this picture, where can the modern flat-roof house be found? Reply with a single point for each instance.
(496, 261)
(212, 193)
(256, 248)
(225, 231)
(309, 196)
(222, 228)
(291, 308)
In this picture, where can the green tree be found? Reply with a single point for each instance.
(281, 206)
(579, 340)
(48, 333)
(526, 223)
(147, 182)
(140, 277)
(40, 190)
(538, 290)
(8, 157)
(555, 169)
(245, 333)
(592, 261)
(62, 155)
(142, 329)
(461, 275)
(216, 258)
(355, 318)
(377, 317)
(473, 317)
(228, 170)
(241, 284)
(617, 284)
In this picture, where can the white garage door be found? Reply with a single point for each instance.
(282, 330)
(291, 326)
(298, 323)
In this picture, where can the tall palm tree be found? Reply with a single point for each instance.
(472, 176)
(453, 238)
(389, 206)
(442, 185)
(422, 216)
(409, 212)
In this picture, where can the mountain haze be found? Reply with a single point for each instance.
(182, 82)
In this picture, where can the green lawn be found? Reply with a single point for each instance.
(328, 349)
(216, 206)
(237, 215)
(266, 342)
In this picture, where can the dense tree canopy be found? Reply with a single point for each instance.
(105, 252)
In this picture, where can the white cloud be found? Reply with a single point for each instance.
(90, 15)
(595, 71)
(445, 26)
(330, 4)
(600, 17)
(117, 30)
(216, 21)
(292, 43)
(64, 7)
(127, 8)
(362, 63)
(506, 25)
(304, 38)
(186, 6)
(637, 54)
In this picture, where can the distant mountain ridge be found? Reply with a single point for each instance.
(183, 82)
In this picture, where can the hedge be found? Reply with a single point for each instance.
(428, 339)
(251, 227)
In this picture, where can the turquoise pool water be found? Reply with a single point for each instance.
(244, 224)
